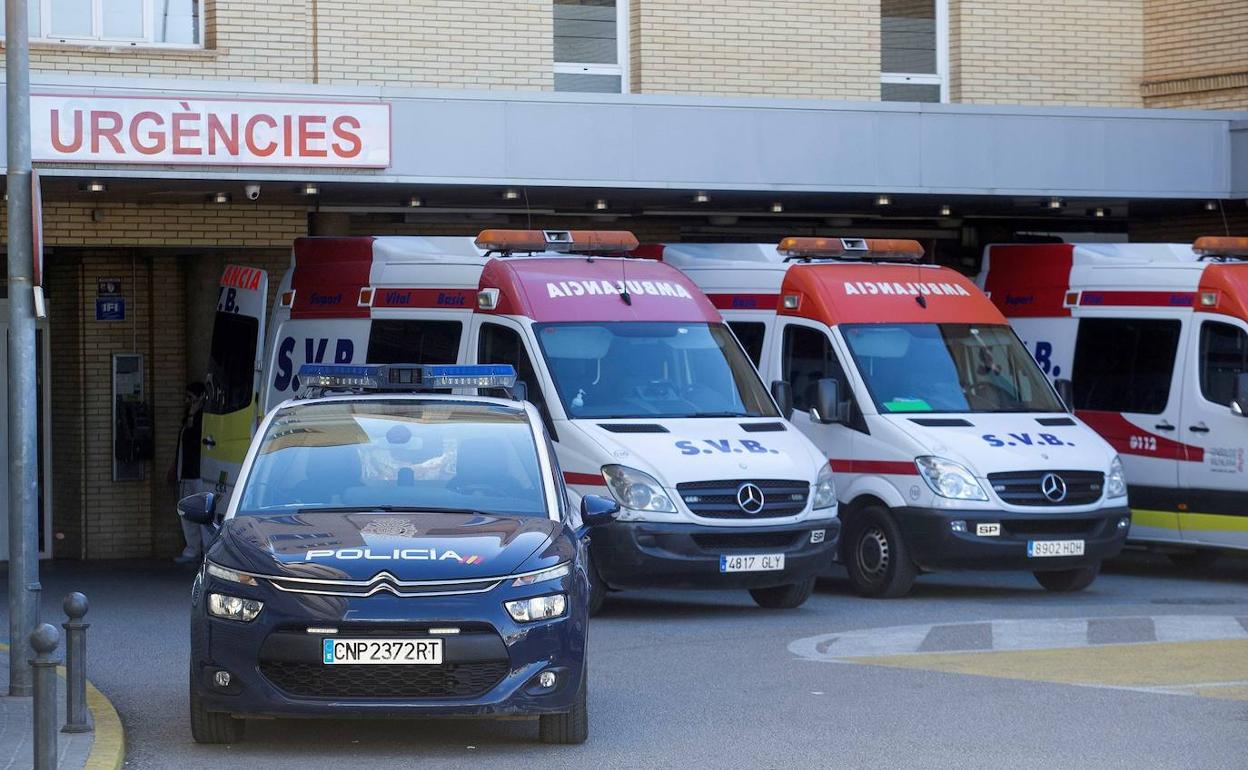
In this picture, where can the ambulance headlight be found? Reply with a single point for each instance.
(633, 489)
(1116, 481)
(825, 488)
(233, 608)
(949, 479)
(537, 608)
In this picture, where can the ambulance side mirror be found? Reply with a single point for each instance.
(1239, 404)
(199, 508)
(1066, 392)
(782, 392)
(827, 409)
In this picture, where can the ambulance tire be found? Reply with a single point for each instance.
(1194, 560)
(787, 597)
(876, 557)
(597, 589)
(213, 726)
(1068, 580)
(571, 727)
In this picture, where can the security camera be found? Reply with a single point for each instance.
(253, 191)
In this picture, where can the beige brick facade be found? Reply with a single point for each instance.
(1195, 54)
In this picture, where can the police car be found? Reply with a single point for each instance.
(393, 552)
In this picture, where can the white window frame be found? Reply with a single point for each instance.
(97, 27)
(941, 78)
(621, 67)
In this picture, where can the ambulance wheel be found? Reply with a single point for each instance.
(1199, 559)
(597, 589)
(570, 727)
(787, 597)
(213, 726)
(876, 557)
(1068, 580)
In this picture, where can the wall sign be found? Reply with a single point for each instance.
(105, 287)
(110, 308)
(234, 132)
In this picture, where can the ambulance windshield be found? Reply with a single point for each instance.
(958, 368)
(651, 370)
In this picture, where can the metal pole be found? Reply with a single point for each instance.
(43, 640)
(76, 664)
(23, 436)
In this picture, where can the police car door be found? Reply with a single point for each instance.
(1214, 481)
(232, 382)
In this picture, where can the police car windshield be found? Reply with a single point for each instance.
(380, 454)
(960, 368)
(650, 370)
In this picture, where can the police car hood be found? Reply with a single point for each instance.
(699, 449)
(1011, 441)
(358, 545)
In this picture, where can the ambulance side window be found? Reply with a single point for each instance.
(807, 358)
(1223, 357)
(500, 345)
(231, 363)
(1125, 364)
(750, 334)
(394, 341)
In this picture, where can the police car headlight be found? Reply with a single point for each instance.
(233, 607)
(546, 574)
(949, 479)
(633, 489)
(218, 571)
(537, 608)
(825, 488)
(1116, 481)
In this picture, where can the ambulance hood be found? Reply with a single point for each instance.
(708, 448)
(1014, 441)
(358, 545)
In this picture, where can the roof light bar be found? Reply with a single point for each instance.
(317, 379)
(564, 241)
(1217, 246)
(880, 249)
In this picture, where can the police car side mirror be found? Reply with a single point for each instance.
(782, 392)
(596, 511)
(827, 408)
(199, 508)
(1066, 392)
(1239, 404)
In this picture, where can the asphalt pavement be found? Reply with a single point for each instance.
(1144, 669)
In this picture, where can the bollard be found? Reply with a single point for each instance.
(43, 641)
(76, 720)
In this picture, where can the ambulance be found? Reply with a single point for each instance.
(950, 448)
(646, 394)
(1152, 341)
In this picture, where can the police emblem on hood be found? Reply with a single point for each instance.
(389, 527)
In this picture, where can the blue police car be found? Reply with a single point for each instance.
(394, 552)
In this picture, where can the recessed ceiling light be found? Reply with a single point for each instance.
(221, 197)
(883, 200)
(777, 207)
(1211, 205)
(1055, 203)
(701, 197)
(311, 189)
(415, 201)
(96, 187)
(946, 210)
(510, 194)
(600, 204)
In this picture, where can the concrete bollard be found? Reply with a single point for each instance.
(76, 720)
(43, 641)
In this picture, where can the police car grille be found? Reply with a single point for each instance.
(449, 680)
(718, 499)
(1024, 487)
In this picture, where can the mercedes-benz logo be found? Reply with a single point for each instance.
(1051, 485)
(750, 498)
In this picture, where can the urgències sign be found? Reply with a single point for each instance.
(231, 132)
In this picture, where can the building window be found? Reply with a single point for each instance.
(591, 45)
(1125, 364)
(913, 50)
(117, 22)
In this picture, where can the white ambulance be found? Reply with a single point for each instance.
(951, 450)
(645, 392)
(1152, 340)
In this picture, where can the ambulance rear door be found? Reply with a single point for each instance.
(232, 382)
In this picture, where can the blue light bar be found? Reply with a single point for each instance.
(319, 378)
(470, 376)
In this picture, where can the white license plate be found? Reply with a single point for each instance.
(390, 652)
(1041, 548)
(761, 562)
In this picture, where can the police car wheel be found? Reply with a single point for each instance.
(597, 589)
(213, 726)
(783, 597)
(1068, 580)
(570, 727)
(877, 559)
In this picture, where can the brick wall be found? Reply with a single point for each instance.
(783, 48)
(1060, 52)
(1195, 54)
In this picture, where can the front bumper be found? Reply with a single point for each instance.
(660, 555)
(935, 546)
(489, 668)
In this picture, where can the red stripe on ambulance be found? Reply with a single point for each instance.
(745, 301)
(450, 299)
(1128, 438)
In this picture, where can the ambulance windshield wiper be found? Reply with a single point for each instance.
(388, 509)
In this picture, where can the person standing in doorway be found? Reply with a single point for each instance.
(184, 472)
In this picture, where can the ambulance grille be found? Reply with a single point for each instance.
(449, 680)
(718, 499)
(1024, 487)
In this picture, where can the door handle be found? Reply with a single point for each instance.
(208, 441)
(1198, 428)
(1164, 425)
